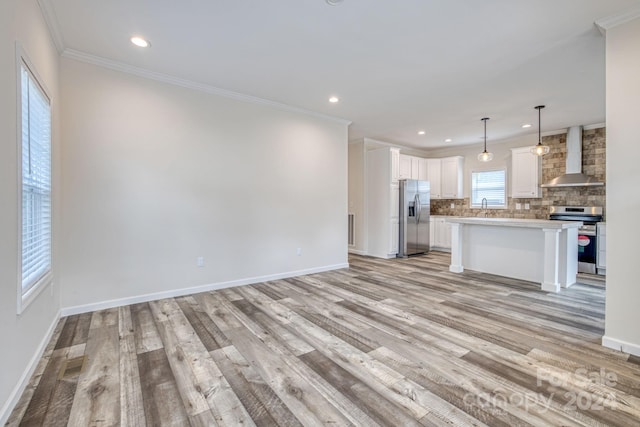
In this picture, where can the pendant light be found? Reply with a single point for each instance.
(485, 156)
(540, 150)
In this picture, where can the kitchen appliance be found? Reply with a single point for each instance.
(587, 233)
(415, 206)
(573, 176)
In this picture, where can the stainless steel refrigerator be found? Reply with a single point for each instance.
(415, 206)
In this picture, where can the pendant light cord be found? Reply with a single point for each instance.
(539, 125)
(485, 156)
(539, 108)
(485, 133)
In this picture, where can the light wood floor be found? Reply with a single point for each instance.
(397, 343)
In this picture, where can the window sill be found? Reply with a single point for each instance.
(28, 297)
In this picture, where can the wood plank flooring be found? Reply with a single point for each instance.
(385, 342)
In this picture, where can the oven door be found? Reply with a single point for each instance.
(587, 250)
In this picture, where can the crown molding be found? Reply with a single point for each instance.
(613, 21)
(49, 15)
(372, 144)
(51, 19)
(189, 84)
(594, 126)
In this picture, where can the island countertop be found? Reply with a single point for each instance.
(535, 250)
(515, 222)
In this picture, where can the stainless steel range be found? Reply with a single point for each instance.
(587, 233)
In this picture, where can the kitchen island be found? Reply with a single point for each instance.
(540, 251)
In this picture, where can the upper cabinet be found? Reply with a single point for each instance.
(526, 170)
(412, 167)
(434, 170)
(421, 166)
(451, 181)
(445, 176)
(405, 166)
(395, 165)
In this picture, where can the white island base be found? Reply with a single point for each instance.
(540, 251)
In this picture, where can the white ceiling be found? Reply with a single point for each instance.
(398, 67)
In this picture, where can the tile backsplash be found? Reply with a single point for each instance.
(553, 165)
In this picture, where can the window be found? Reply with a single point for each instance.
(35, 148)
(490, 185)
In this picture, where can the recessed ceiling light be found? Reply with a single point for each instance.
(334, 99)
(526, 126)
(140, 42)
(333, 2)
(448, 140)
(421, 132)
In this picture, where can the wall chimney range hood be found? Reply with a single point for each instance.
(573, 176)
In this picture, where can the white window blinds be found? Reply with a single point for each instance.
(490, 185)
(36, 182)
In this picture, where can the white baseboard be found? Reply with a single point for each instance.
(625, 347)
(68, 311)
(382, 256)
(550, 287)
(15, 395)
(358, 252)
(22, 384)
(439, 249)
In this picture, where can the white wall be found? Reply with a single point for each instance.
(157, 175)
(622, 321)
(22, 336)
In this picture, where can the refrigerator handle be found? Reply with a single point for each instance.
(416, 201)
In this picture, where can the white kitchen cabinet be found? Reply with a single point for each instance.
(382, 202)
(422, 169)
(447, 235)
(433, 176)
(395, 165)
(601, 257)
(394, 238)
(412, 167)
(440, 233)
(406, 166)
(445, 176)
(451, 179)
(443, 235)
(432, 231)
(394, 206)
(526, 171)
(415, 162)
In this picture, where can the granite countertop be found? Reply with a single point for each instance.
(514, 222)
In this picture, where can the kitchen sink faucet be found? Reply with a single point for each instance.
(485, 206)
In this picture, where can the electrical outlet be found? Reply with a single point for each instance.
(518, 206)
(299, 251)
(526, 205)
(200, 261)
(453, 206)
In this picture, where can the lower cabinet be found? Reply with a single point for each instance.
(440, 233)
(432, 232)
